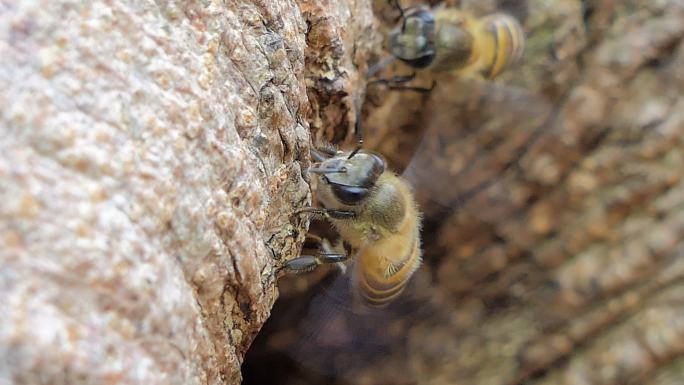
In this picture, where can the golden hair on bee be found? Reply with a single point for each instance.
(449, 39)
(375, 213)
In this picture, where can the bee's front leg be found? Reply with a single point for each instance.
(323, 152)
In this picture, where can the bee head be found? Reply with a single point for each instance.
(347, 179)
(413, 41)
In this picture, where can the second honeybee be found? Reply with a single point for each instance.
(450, 39)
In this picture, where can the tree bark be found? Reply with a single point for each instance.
(553, 209)
(151, 156)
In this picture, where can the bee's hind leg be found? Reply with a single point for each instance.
(339, 249)
(319, 251)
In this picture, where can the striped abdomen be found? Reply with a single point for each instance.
(381, 281)
(506, 40)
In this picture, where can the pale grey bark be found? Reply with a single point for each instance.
(151, 155)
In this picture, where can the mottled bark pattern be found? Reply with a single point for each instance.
(151, 155)
(340, 38)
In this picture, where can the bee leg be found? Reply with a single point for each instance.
(327, 213)
(325, 151)
(306, 263)
(318, 156)
(301, 264)
(395, 4)
(333, 257)
(395, 83)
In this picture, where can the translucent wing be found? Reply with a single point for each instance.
(449, 165)
(339, 339)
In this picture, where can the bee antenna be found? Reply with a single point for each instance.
(359, 135)
(356, 150)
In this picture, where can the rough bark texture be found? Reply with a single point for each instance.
(151, 155)
(554, 214)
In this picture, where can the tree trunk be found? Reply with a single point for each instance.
(554, 216)
(151, 156)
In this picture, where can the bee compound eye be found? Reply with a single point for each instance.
(378, 163)
(350, 195)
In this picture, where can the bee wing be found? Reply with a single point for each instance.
(448, 167)
(339, 337)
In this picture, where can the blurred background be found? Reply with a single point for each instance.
(553, 202)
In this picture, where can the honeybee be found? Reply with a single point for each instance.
(452, 40)
(375, 214)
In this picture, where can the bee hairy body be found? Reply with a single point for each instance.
(375, 214)
(452, 40)
(386, 233)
